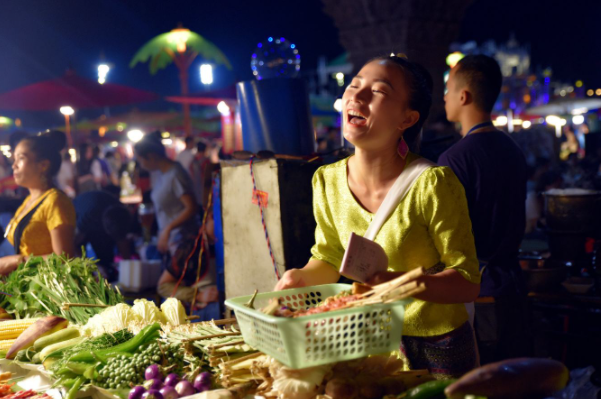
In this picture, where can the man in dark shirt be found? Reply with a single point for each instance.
(103, 222)
(492, 169)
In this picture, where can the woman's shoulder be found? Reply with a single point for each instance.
(56, 196)
(437, 174)
(331, 171)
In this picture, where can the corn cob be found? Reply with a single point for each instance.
(11, 329)
(5, 344)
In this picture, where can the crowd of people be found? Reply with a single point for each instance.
(70, 206)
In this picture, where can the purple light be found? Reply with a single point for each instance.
(260, 45)
(282, 39)
(254, 56)
(297, 56)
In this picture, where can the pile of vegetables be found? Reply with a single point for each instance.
(43, 286)
(143, 313)
(86, 365)
(222, 348)
(172, 387)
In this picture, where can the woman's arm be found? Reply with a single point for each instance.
(446, 287)
(189, 211)
(62, 242)
(316, 272)
(63, 239)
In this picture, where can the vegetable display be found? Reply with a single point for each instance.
(46, 287)
(145, 351)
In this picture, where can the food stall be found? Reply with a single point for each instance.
(66, 331)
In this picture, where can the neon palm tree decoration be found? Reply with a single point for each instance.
(180, 46)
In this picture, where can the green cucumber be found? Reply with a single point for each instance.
(55, 350)
(54, 338)
(429, 390)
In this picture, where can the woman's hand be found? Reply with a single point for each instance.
(293, 278)
(205, 296)
(8, 264)
(163, 242)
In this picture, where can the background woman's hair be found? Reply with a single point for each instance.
(150, 144)
(419, 82)
(47, 146)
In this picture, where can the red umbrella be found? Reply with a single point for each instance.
(74, 91)
(206, 98)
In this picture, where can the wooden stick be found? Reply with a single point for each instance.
(225, 321)
(243, 358)
(227, 334)
(402, 279)
(412, 285)
(192, 317)
(419, 289)
(241, 342)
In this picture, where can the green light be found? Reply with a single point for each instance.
(4, 121)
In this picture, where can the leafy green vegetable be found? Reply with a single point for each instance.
(43, 286)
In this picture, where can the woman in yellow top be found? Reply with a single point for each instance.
(45, 222)
(384, 107)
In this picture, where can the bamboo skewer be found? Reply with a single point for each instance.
(67, 305)
(419, 289)
(222, 322)
(212, 348)
(243, 358)
(392, 284)
(227, 334)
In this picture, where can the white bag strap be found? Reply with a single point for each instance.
(397, 192)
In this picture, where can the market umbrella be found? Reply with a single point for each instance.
(74, 91)
(565, 106)
(148, 121)
(206, 98)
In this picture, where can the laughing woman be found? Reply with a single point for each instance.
(45, 222)
(385, 107)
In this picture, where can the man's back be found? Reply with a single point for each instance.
(492, 169)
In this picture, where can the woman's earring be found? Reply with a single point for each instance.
(403, 148)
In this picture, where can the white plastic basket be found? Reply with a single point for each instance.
(323, 338)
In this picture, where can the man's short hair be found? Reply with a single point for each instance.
(189, 140)
(116, 221)
(201, 147)
(482, 75)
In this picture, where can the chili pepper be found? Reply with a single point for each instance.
(428, 390)
(147, 334)
(75, 388)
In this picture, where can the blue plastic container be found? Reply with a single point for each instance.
(276, 116)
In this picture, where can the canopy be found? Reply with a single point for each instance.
(206, 98)
(74, 91)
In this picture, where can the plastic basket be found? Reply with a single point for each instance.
(320, 338)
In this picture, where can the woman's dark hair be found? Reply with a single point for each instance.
(419, 82)
(150, 144)
(48, 146)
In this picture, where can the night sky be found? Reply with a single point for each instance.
(40, 39)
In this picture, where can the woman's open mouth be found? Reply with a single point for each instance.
(355, 118)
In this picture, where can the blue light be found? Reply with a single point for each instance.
(260, 45)
(282, 39)
(298, 56)
(292, 46)
(270, 39)
(254, 56)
